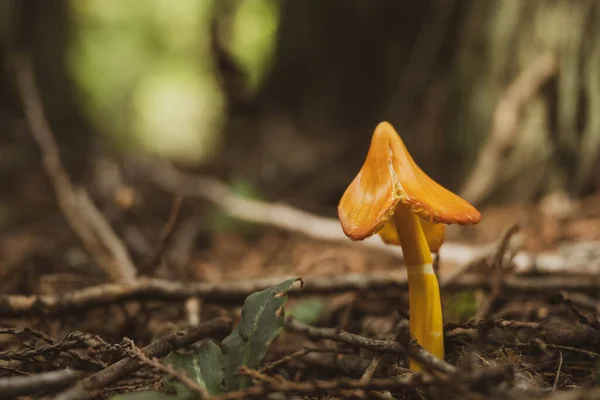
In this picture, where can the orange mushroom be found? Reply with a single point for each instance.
(393, 197)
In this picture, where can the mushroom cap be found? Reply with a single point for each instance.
(390, 176)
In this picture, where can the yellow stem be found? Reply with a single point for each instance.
(425, 308)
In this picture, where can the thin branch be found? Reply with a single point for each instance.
(86, 388)
(509, 242)
(491, 323)
(261, 391)
(505, 126)
(412, 349)
(460, 387)
(290, 357)
(292, 219)
(230, 291)
(560, 363)
(167, 370)
(369, 372)
(498, 272)
(166, 234)
(11, 387)
(581, 317)
(85, 219)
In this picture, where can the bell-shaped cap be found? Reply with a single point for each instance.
(389, 177)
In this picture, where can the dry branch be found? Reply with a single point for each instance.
(491, 323)
(157, 289)
(337, 386)
(83, 216)
(11, 387)
(505, 126)
(412, 349)
(458, 388)
(168, 370)
(498, 272)
(294, 220)
(166, 234)
(93, 384)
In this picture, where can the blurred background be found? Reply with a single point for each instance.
(497, 100)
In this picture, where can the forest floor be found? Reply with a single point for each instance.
(115, 291)
(528, 330)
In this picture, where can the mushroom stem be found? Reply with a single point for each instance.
(425, 308)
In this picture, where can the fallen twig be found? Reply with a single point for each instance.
(260, 391)
(91, 385)
(458, 388)
(498, 273)
(581, 317)
(297, 354)
(83, 216)
(292, 219)
(367, 375)
(166, 369)
(348, 364)
(165, 236)
(11, 387)
(52, 349)
(412, 349)
(491, 323)
(230, 291)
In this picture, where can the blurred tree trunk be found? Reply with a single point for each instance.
(340, 68)
(557, 143)
(436, 70)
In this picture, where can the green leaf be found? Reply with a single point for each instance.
(262, 320)
(145, 395)
(205, 366)
(307, 311)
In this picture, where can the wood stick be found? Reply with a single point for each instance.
(230, 291)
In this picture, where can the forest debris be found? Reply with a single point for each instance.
(505, 122)
(11, 387)
(593, 322)
(292, 219)
(87, 387)
(332, 387)
(489, 323)
(166, 369)
(458, 388)
(498, 272)
(297, 354)
(379, 346)
(509, 242)
(367, 376)
(157, 289)
(166, 234)
(84, 217)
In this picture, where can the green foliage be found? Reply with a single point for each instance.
(307, 311)
(205, 366)
(253, 35)
(145, 395)
(262, 320)
(144, 71)
(460, 306)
